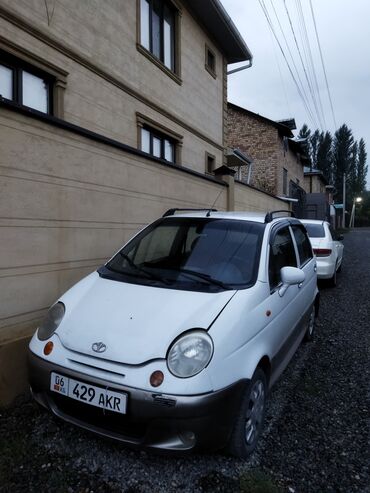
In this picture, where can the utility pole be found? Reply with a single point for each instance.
(344, 202)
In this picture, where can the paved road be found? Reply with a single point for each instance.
(317, 436)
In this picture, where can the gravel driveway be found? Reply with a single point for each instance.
(317, 435)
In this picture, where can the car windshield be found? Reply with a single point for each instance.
(315, 230)
(205, 254)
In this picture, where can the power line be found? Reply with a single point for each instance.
(315, 98)
(322, 63)
(266, 13)
(291, 56)
(309, 51)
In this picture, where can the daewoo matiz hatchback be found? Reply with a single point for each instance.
(174, 343)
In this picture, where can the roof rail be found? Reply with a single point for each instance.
(171, 212)
(270, 215)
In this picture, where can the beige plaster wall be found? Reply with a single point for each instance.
(105, 34)
(251, 199)
(67, 204)
(316, 183)
(292, 163)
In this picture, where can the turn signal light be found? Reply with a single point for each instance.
(156, 378)
(322, 252)
(48, 348)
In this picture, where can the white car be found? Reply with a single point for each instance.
(328, 248)
(174, 343)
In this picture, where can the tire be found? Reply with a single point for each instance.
(333, 280)
(310, 330)
(249, 421)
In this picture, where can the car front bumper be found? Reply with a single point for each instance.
(153, 420)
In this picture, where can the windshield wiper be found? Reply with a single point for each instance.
(205, 277)
(140, 269)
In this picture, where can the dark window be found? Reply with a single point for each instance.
(158, 144)
(285, 181)
(24, 84)
(315, 230)
(210, 163)
(282, 254)
(198, 254)
(210, 61)
(158, 30)
(303, 244)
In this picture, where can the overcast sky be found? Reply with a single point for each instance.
(344, 32)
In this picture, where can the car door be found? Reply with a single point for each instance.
(285, 313)
(306, 262)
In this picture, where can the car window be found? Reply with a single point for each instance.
(190, 253)
(315, 230)
(158, 245)
(282, 254)
(303, 244)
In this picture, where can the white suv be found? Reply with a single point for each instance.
(174, 343)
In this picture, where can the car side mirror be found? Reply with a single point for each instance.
(340, 237)
(289, 277)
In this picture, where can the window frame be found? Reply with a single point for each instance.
(175, 72)
(207, 157)
(210, 70)
(273, 233)
(162, 132)
(35, 64)
(18, 67)
(298, 226)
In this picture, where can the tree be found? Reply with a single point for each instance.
(314, 147)
(362, 167)
(325, 156)
(352, 179)
(305, 133)
(342, 158)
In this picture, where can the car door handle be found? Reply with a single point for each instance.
(300, 285)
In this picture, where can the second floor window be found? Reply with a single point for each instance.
(24, 84)
(158, 30)
(157, 144)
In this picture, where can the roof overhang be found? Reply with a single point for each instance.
(217, 22)
(237, 158)
(283, 130)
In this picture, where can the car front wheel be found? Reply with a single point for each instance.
(249, 422)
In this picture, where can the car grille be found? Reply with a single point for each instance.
(94, 417)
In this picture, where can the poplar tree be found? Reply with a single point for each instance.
(342, 158)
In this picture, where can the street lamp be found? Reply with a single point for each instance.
(356, 200)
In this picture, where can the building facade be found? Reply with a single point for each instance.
(110, 113)
(276, 160)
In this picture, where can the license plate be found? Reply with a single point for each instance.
(89, 394)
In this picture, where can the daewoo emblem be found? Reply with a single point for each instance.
(99, 347)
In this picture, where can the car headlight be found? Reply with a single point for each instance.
(190, 354)
(51, 321)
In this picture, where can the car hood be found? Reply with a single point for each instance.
(136, 323)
